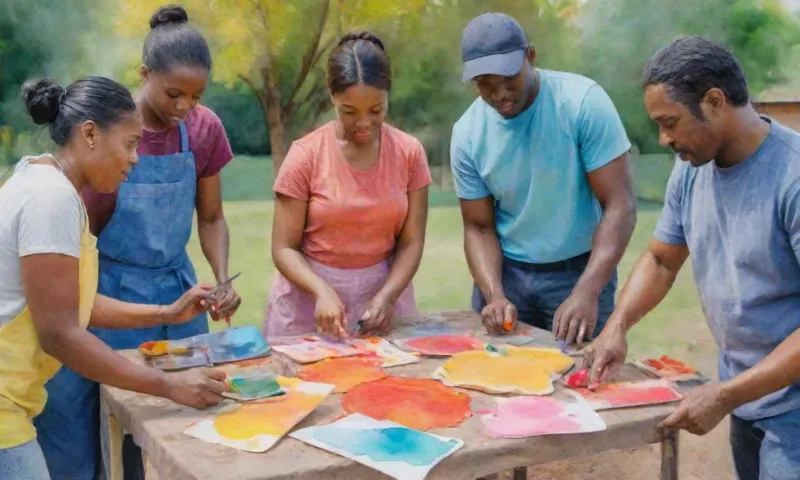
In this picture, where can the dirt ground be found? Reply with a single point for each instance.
(701, 458)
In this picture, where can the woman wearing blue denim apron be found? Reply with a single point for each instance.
(143, 231)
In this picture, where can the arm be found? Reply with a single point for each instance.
(212, 228)
(408, 250)
(51, 289)
(613, 187)
(114, 314)
(482, 247)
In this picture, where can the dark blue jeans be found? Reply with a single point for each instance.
(538, 290)
(767, 449)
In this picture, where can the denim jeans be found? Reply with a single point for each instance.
(538, 290)
(24, 462)
(767, 449)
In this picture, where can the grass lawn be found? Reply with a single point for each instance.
(443, 281)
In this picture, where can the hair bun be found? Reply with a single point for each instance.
(363, 35)
(42, 97)
(169, 14)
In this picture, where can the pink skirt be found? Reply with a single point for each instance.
(290, 311)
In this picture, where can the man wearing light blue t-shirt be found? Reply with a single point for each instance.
(733, 206)
(541, 168)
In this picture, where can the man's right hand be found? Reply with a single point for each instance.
(198, 388)
(605, 355)
(499, 316)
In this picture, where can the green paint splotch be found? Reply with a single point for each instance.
(391, 444)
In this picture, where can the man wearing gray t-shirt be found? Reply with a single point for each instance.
(733, 204)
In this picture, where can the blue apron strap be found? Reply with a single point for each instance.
(184, 137)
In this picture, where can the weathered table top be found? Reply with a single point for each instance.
(158, 424)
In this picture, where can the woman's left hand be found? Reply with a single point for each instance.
(378, 317)
(224, 303)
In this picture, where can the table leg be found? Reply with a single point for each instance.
(111, 436)
(520, 473)
(669, 454)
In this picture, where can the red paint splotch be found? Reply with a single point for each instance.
(617, 395)
(669, 366)
(442, 345)
(578, 379)
(416, 403)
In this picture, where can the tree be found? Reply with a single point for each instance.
(618, 39)
(277, 48)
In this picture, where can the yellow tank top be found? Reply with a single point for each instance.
(25, 367)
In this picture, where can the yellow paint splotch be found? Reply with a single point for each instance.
(272, 416)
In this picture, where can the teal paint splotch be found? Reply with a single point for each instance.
(392, 444)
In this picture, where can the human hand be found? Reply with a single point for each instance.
(499, 316)
(605, 355)
(701, 410)
(329, 314)
(378, 317)
(224, 302)
(191, 304)
(199, 388)
(576, 318)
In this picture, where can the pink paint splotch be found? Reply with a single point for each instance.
(442, 345)
(530, 416)
(634, 394)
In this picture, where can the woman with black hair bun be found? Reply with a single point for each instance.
(351, 208)
(144, 226)
(49, 270)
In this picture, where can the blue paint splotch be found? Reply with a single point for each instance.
(392, 444)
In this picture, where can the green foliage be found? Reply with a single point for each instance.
(242, 117)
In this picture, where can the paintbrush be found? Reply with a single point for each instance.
(216, 290)
(562, 344)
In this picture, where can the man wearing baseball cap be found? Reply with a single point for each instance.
(541, 168)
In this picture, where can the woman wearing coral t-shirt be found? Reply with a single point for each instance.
(351, 207)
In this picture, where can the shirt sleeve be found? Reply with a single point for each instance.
(219, 147)
(468, 182)
(791, 216)
(669, 228)
(601, 134)
(419, 173)
(294, 176)
(51, 222)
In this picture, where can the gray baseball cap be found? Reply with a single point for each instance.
(492, 44)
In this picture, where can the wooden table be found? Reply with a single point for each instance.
(157, 426)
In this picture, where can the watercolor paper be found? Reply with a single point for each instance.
(387, 447)
(253, 386)
(440, 345)
(257, 426)
(344, 373)
(390, 355)
(313, 349)
(417, 403)
(666, 367)
(524, 371)
(518, 417)
(230, 345)
(629, 394)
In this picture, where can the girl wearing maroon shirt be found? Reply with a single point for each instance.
(144, 227)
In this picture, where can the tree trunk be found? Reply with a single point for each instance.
(274, 120)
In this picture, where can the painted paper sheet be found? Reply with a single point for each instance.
(629, 394)
(502, 373)
(518, 417)
(417, 403)
(313, 349)
(440, 345)
(344, 373)
(258, 425)
(229, 345)
(387, 447)
(670, 368)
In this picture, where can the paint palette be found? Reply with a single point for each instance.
(629, 394)
(440, 345)
(344, 373)
(519, 417)
(387, 447)
(524, 371)
(417, 403)
(230, 345)
(258, 425)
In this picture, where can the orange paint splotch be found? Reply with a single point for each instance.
(417, 403)
(272, 416)
(344, 373)
(443, 345)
